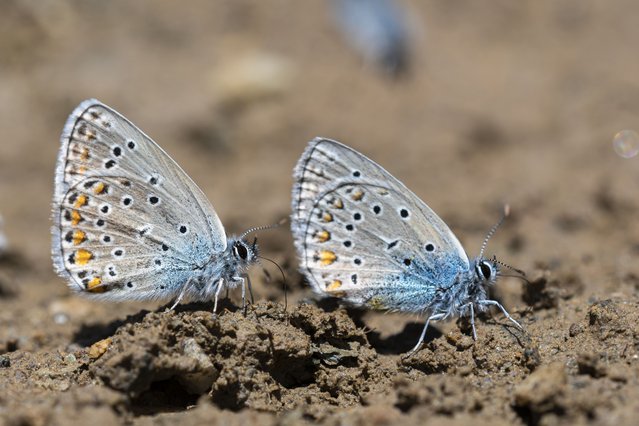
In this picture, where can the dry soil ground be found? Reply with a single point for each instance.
(505, 101)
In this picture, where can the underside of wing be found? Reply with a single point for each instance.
(126, 217)
(362, 235)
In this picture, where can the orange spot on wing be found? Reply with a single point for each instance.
(327, 217)
(334, 285)
(338, 204)
(79, 237)
(82, 256)
(99, 188)
(323, 236)
(82, 200)
(85, 154)
(357, 195)
(95, 281)
(75, 217)
(327, 257)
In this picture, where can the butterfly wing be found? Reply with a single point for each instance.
(362, 235)
(128, 223)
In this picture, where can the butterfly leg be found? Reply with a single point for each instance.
(503, 310)
(471, 307)
(181, 295)
(472, 320)
(250, 288)
(245, 281)
(243, 284)
(434, 317)
(218, 290)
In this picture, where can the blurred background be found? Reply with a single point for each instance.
(470, 104)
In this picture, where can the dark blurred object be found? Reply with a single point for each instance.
(547, 288)
(8, 262)
(209, 136)
(4, 243)
(378, 30)
(486, 133)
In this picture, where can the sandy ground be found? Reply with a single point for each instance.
(504, 101)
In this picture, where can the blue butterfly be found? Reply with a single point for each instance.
(364, 237)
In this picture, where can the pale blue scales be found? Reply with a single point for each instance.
(128, 222)
(364, 237)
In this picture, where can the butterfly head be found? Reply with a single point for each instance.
(244, 252)
(483, 274)
(486, 270)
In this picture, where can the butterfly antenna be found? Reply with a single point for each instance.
(284, 285)
(524, 279)
(261, 228)
(493, 229)
(521, 273)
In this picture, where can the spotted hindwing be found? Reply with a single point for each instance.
(128, 223)
(362, 235)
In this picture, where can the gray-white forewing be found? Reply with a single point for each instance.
(128, 222)
(360, 233)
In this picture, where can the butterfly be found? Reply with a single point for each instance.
(129, 223)
(364, 237)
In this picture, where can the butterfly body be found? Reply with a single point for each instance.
(128, 222)
(364, 237)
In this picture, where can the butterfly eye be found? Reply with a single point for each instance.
(240, 251)
(486, 270)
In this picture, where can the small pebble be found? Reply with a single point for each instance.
(5, 362)
(99, 348)
(60, 318)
